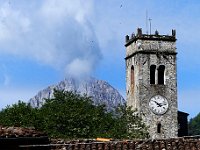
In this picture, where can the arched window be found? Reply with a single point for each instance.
(152, 74)
(161, 74)
(132, 79)
(159, 128)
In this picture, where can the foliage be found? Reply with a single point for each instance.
(69, 115)
(128, 124)
(19, 114)
(73, 116)
(194, 125)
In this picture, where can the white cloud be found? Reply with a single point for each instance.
(5, 79)
(57, 33)
(12, 23)
(56, 11)
(78, 66)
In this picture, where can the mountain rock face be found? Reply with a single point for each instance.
(100, 91)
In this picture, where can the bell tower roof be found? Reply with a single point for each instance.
(156, 37)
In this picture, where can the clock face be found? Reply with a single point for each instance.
(158, 104)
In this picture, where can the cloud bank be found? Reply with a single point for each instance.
(56, 33)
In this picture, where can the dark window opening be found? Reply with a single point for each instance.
(159, 128)
(132, 79)
(161, 74)
(152, 74)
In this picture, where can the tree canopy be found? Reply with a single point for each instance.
(194, 125)
(70, 115)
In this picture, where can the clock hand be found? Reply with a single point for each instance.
(163, 104)
(159, 104)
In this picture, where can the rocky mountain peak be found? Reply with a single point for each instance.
(100, 91)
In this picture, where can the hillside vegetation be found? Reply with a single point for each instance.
(70, 115)
(194, 125)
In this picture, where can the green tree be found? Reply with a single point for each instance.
(194, 125)
(20, 114)
(73, 116)
(70, 115)
(128, 124)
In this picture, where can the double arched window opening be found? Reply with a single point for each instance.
(161, 74)
(152, 74)
(157, 74)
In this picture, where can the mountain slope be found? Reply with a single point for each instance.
(100, 91)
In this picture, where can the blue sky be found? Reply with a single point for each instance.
(44, 41)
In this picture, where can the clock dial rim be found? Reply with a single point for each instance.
(158, 105)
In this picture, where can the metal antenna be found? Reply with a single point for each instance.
(146, 21)
(150, 25)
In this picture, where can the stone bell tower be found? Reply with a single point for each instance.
(151, 81)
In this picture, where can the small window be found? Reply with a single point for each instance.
(132, 79)
(161, 74)
(159, 128)
(152, 74)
